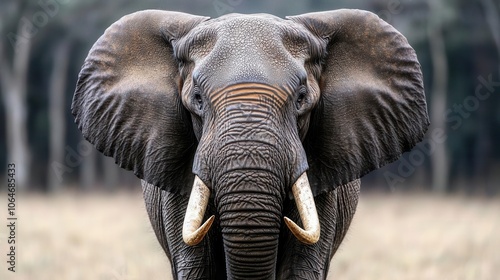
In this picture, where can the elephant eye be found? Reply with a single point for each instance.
(301, 95)
(197, 97)
(198, 100)
(301, 98)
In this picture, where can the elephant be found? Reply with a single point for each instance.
(250, 132)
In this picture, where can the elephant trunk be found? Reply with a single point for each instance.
(249, 161)
(250, 218)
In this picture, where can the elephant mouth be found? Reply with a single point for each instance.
(194, 231)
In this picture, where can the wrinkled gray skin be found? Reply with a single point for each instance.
(248, 103)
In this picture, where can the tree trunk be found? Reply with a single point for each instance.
(88, 174)
(492, 13)
(14, 90)
(493, 19)
(439, 158)
(57, 108)
(111, 173)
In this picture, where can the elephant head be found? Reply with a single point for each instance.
(247, 112)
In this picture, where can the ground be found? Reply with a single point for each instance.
(393, 236)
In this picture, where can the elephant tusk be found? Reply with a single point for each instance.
(192, 232)
(307, 210)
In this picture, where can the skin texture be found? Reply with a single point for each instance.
(248, 103)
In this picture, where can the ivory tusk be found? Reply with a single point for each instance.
(192, 232)
(307, 210)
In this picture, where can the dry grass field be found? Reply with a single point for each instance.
(107, 236)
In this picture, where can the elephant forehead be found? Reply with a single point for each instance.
(249, 48)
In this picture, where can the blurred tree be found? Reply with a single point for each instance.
(438, 103)
(57, 92)
(483, 158)
(14, 80)
(492, 13)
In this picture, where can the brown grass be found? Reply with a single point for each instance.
(102, 236)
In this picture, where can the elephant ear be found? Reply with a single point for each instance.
(372, 106)
(127, 101)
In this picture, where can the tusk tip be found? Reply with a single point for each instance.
(307, 237)
(194, 238)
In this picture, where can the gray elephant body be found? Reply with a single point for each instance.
(272, 119)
